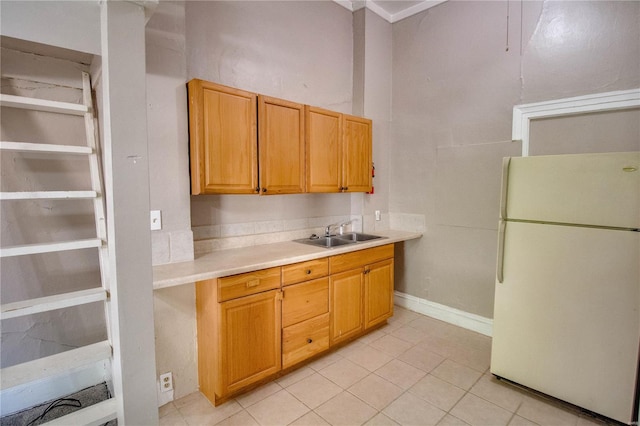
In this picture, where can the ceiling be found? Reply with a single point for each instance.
(390, 10)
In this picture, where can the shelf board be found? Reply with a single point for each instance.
(50, 303)
(49, 247)
(43, 147)
(53, 365)
(48, 195)
(36, 104)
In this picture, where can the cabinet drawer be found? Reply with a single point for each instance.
(305, 271)
(357, 259)
(250, 283)
(304, 301)
(304, 340)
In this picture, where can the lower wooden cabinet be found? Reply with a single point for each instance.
(253, 326)
(361, 287)
(239, 340)
(346, 305)
(250, 345)
(378, 293)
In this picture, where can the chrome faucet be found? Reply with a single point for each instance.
(340, 226)
(327, 230)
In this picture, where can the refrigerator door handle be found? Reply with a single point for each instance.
(506, 161)
(500, 266)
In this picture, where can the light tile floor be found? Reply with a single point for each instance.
(413, 371)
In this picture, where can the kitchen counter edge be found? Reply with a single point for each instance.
(223, 263)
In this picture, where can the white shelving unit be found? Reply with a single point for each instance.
(66, 362)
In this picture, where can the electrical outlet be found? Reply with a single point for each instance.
(377, 214)
(166, 382)
(156, 220)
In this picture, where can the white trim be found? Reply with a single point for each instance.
(378, 10)
(445, 313)
(607, 101)
(347, 4)
(410, 11)
(354, 5)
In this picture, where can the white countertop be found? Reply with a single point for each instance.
(235, 261)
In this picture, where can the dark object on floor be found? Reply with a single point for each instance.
(59, 407)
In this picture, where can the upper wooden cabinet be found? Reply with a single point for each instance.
(324, 155)
(356, 154)
(245, 143)
(223, 139)
(339, 155)
(281, 142)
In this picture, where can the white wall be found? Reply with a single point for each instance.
(454, 87)
(167, 136)
(376, 91)
(299, 51)
(73, 25)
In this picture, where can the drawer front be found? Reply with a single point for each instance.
(304, 301)
(304, 340)
(305, 271)
(250, 283)
(357, 259)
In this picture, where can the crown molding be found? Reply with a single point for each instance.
(353, 5)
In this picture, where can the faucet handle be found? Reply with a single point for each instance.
(342, 225)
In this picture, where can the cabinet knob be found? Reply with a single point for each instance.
(257, 189)
(309, 340)
(308, 271)
(264, 189)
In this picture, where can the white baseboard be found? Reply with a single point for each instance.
(30, 394)
(445, 313)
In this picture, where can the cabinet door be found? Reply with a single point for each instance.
(223, 139)
(281, 141)
(250, 340)
(356, 152)
(378, 292)
(323, 143)
(346, 305)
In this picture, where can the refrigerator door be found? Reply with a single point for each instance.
(586, 189)
(566, 317)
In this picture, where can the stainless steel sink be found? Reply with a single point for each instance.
(327, 242)
(337, 240)
(357, 237)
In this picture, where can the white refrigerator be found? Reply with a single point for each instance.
(567, 294)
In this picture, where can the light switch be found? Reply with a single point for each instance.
(156, 220)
